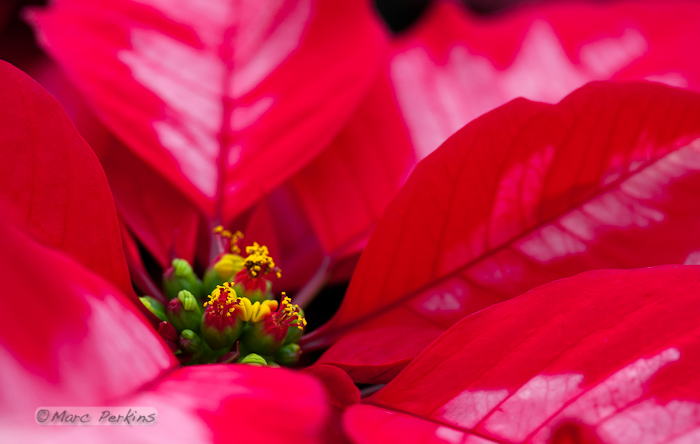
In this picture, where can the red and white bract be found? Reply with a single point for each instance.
(526, 194)
(615, 351)
(453, 67)
(227, 99)
(68, 338)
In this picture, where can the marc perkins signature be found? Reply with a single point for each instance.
(96, 415)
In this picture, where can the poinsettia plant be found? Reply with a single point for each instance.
(305, 124)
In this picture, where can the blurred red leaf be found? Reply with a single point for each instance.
(529, 193)
(346, 189)
(452, 67)
(162, 218)
(67, 336)
(613, 350)
(54, 183)
(341, 390)
(573, 432)
(226, 101)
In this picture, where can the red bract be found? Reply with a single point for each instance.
(225, 101)
(48, 173)
(70, 338)
(345, 190)
(613, 351)
(342, 393)
(164, 220)
(529, 193)
(453, 67)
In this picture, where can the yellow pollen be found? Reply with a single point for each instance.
(220, 306)
(237, 236)
(292, 311)
(258, 262)
(234, 238)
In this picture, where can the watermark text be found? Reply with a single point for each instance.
(96, 416)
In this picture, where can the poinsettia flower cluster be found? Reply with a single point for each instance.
(527, 267)
(240, 322)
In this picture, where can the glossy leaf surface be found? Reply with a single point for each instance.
(225, 100)
(526, 194)
(615, 351)
(52, 181)
(453, 67)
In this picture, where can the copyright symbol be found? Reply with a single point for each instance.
(42, 415)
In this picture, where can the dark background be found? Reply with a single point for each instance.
(15, 34)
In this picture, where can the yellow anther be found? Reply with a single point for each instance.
(218, 229)
(220, 306)
(237, 236)
(292, 311)
(258, 262)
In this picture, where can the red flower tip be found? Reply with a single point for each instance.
(220, 327)
(169, 335)
(222, 301)
(252, 280)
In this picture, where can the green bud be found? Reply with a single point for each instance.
(189, 342)
(264, 337)
(255, 295)
(253, 359)
(220, 332)
(184, 312)
(211, 281)
(294, 334)
(288, 355)
(180, 276)
(154, 306)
